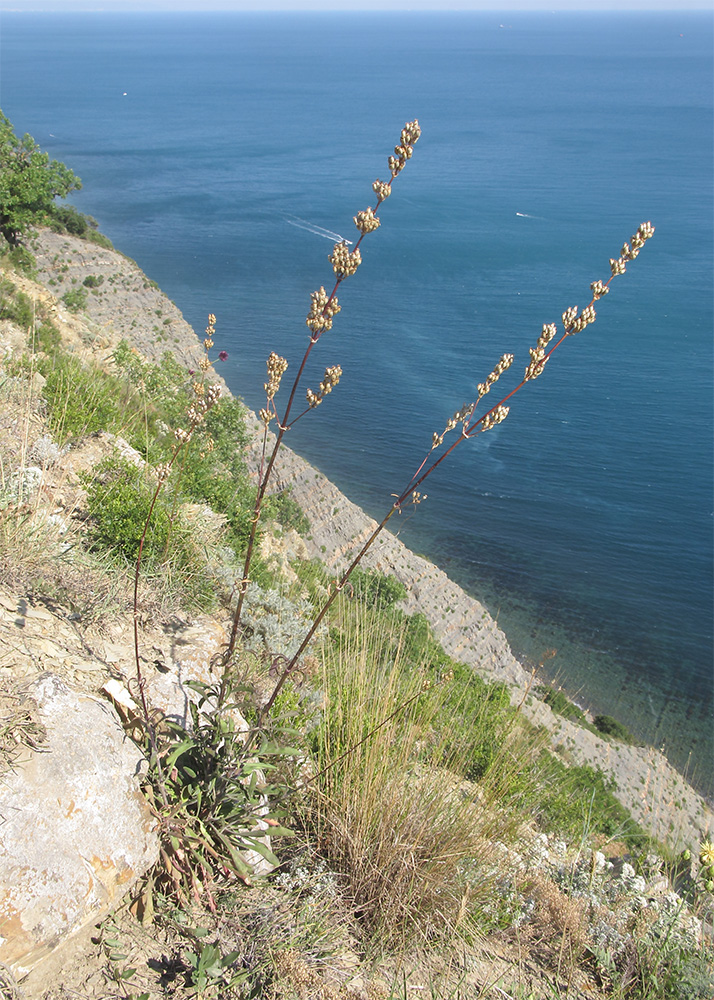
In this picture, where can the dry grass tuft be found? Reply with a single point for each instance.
(411, 839)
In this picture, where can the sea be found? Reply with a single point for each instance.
(225, 153)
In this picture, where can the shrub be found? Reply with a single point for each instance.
(376, 589)
(46, 338)
(75, 299)
(68, 219)
(80, 400)
(18, 257)
(16, 305)
(608, 726)
(288, 512)
(29, 183)
(93, 236)
(579, 802)
(118, 500)
(561, 704)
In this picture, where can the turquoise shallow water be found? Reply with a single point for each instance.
(585, 520)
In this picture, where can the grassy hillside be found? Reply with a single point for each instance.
(425, 837)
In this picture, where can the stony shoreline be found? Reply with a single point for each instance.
(127, 305)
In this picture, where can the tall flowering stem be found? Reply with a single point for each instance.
(205, 397)
(573, 322)
(323, 308)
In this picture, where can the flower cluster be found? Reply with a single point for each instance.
(344, 263)
(598, 290)
(210, 332)
(460, 417)
(630, 250)
(322, 309)
(331, 379)
(493, 417)
(205, 398)
(537, 353)
(503, 365)
(574, 323)
(382, 189)
(366, 221)
(403, 152)
(277, 367)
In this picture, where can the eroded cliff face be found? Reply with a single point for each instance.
(126, 305)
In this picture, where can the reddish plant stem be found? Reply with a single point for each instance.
(139, 675)
(283, 426)
(413, 485)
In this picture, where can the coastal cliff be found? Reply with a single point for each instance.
(129, 306)
(67, 645)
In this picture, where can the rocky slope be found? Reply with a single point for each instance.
(81, 648)
(127, 305)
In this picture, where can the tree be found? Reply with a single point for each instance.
(29, 183)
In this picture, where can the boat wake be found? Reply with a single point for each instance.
(317, 230)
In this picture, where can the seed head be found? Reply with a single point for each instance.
(706, 853)
(322, 309)
(277, 367)
(382, 190)
(629, 252)
(537, 363)
(547, 333)
(344, 263)
(617, 266)
(197, 412)
(503, 365)
(395, 165)
(366, 221)
(163, 471)
(494, 417)
(213, 394)
(586, 317)
(569, 317)
(460, 417)
(598, 289)
(410, 133)
(182, 436)
(330, 380)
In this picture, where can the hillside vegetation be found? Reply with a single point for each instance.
(418, 833)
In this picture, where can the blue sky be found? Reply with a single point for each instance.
(495, 5)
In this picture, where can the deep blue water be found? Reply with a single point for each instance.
(585, 520)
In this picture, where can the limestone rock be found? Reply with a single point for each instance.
(75, 830)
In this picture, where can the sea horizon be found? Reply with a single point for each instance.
(218, 152)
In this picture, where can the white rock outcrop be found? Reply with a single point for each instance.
(75, 831)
